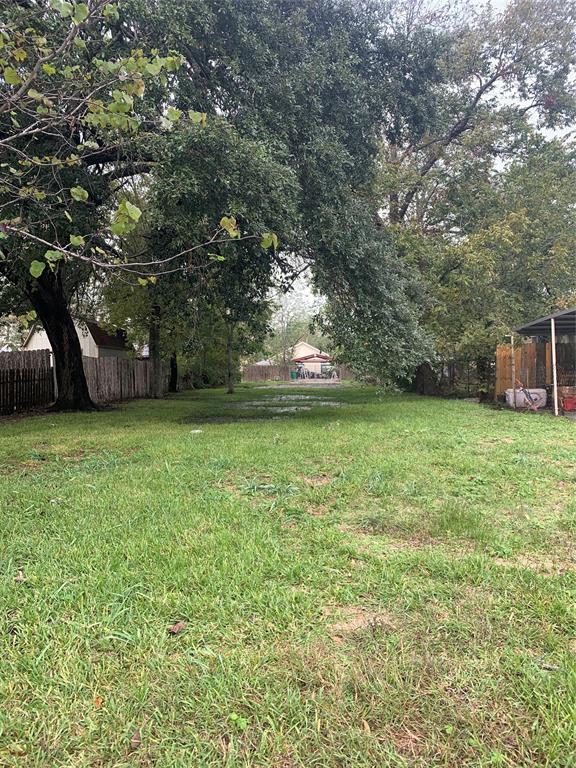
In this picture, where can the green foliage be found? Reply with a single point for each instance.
(81, 110)
(515, 261)
(307, 88)
(36, 268)
(125, 218)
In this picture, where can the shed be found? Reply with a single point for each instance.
(95, 341)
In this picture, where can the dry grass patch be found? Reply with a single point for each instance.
(556, 565)
(352, 619)
(318, 481)
(317, 510)
(408, 742)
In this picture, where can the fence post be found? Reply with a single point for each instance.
(12, 390)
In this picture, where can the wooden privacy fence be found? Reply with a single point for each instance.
(267, 372)
(27, 380)
(25, 388)
(115, 378)
(533, 362)
(37, 358)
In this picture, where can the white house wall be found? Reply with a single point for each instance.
(302, 349)
(313, 367)
(39, 340)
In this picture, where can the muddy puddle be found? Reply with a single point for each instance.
(269, 407)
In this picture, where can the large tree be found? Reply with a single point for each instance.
(449, 180)
(314, 81)
(486, 75)
(73, 98)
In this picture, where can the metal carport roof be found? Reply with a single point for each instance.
(565, 322)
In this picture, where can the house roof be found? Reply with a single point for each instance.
(319, 357)
(565, 322)
(104, 339)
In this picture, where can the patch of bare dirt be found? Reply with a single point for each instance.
(407, 742)
(492, 441)
(542, 564)
(318, 481)
(284, 760)
(45, 458)
(411, 542)
(353, 618)
(317, 510)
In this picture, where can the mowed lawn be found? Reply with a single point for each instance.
(388, 582)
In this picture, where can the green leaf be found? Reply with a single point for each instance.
(49, 69)
(154, 67)
(197, 117)
(142, 281)
(11, 76)
(118, 227)
(64, 8)
(36, 268)
(266, 241)
(68, 216)
(77, 240)
(173, 114)
(80, 13)
(229, 224)
(34, 94)
(132, 210)
(269, 239)
(79, 194)
(110, 12)
(53, 256)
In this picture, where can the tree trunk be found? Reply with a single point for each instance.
(47, 296)
(156, 381)
(425, 381)
(230, 359)
(173, 384)
(483, 372)
(393, 200)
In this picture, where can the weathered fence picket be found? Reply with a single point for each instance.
(37, 358)
(25, 388)
(27, 380)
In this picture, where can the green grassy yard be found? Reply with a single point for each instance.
(389, 582)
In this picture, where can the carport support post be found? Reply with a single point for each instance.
(554, 370)
(513, 370)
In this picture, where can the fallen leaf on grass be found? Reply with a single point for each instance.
(175, 629)
(135, 740)
(98, 701)
(19, 578)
